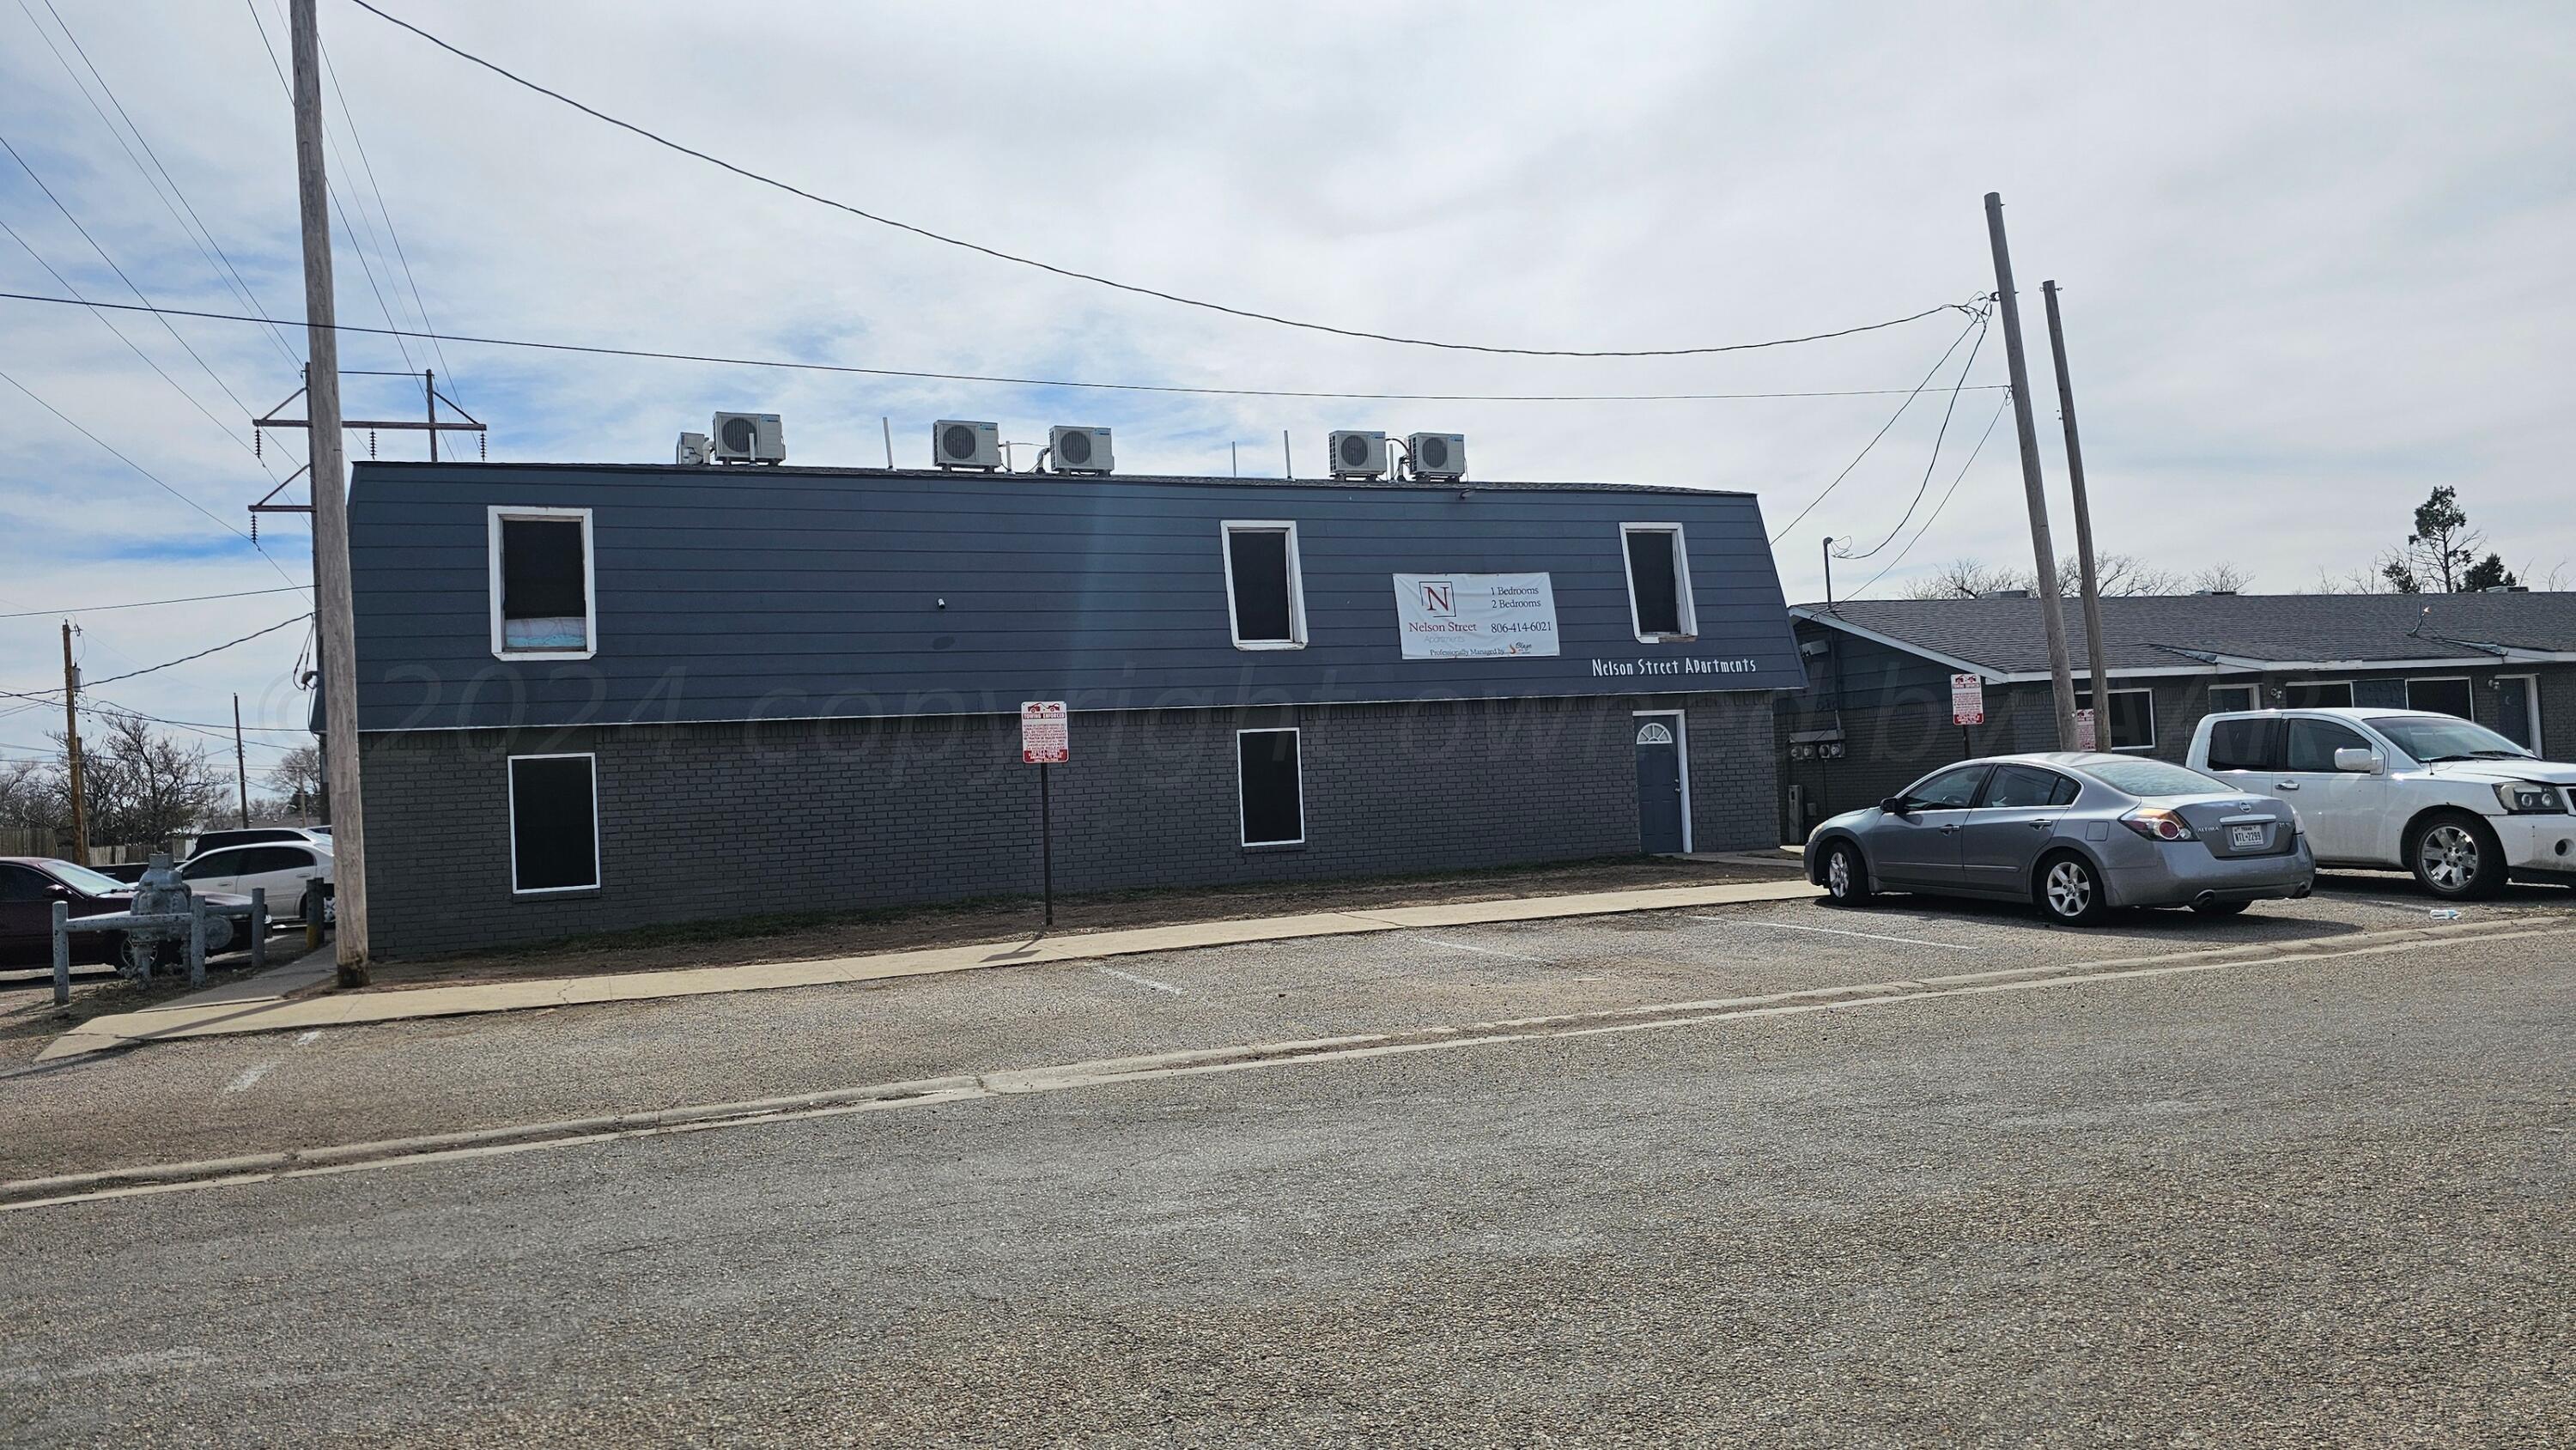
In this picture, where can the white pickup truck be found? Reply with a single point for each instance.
(2462, 807)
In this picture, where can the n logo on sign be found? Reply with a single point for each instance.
(1438, 599)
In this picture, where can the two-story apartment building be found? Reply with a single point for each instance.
(597, 696)
(1875, 714)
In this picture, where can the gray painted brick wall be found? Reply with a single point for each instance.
(714, 820)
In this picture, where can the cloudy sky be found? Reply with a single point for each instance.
(2315, 261)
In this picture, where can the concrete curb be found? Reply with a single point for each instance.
(272, 1014)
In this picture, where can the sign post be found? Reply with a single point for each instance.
(1045, 739)
(1967, 707)
(2086, 736)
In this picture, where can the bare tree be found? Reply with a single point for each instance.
(2223, 579)
(1963, 579)
(29, 795)
(297, 776)
(2115, 575)
(142, 786)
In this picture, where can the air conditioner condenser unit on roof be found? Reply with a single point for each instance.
(1437, 455)
(1357, 455)
(1079, 450)
(748, 438)
(956, 444)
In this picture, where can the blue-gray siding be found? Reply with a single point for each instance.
(778, 594)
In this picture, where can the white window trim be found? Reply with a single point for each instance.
(2102, 723)
(2253, 689)
(1684, 606)
(589, 583)
(1242, 830)
(1296, 582)
(2288, 685)
(598, 868)
(1681, 751)
(2463, 681)
(2530, 703)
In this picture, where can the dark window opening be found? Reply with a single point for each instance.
(545, 599)
(554, 831)
(2233, 697)
(2132, 725)
(1257, 562)
(2318, 695)
(1654, 582)
(1274, 808)
(2450, 697)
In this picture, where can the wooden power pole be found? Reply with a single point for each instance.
(241, 769)
(331, 604)
(2091, 582)
(72, 751)
(2051, 607)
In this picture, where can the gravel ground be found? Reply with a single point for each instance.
(2317, 1203)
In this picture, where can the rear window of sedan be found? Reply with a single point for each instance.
(2150, 778)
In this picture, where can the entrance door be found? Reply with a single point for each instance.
(2517, 719)
(1661, 794)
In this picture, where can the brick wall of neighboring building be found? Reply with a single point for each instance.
(706, 821)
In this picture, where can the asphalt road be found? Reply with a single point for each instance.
(2312, 1200)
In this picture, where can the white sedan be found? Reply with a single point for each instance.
(288, 871)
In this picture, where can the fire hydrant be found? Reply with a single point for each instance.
(161, 893)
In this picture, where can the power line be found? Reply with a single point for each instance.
(466, 339)
(201, 654)
(147, 473)
(750, 175)
(1935, 515)
(1932, 462)
(219, 256)
(150, 603)
(1911, 394)
(349, 119)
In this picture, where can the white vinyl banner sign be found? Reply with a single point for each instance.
(1475, 616)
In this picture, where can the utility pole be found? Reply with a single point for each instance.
(429, 387)
(331, 601)
(241, 771)
(2061, 674)
(71, 749)
(2092, 583)
(1829, 572)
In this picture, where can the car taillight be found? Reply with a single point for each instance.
(2157, 824)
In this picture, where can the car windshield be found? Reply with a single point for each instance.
(2147, 778)
(81, 878)
(2440, 737)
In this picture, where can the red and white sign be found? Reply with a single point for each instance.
(1967, 700)
(1045, 739)
(2084, 736)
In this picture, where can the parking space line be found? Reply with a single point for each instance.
(1139, 981)
(1460, 946)
(1912, 941)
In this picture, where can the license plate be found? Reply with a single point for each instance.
(2245, 837)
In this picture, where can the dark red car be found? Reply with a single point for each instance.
(29, 887)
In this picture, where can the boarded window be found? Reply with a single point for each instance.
(2132, 725)
(1658, 584)
(545, 592)
(554, 826)
(1274, 805)
(1261, 579)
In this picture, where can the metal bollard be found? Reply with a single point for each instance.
(312, 919)
(62, 953)
(258, 928)
(196, 941)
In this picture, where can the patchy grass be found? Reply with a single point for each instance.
(805, 936)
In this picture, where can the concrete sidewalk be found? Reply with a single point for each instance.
(261, 1004)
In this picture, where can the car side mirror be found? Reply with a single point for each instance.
(2354, 758)
(1894, 805)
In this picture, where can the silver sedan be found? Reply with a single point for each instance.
(2074, 832)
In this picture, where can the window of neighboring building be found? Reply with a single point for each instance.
(1270, 788)
(1265, 598)
(2317, 694)
(554, 823)
(542, 602)
(2132, 723)
(2226, 699)
(1659, 592)
(2313, 743)
(2448, 694)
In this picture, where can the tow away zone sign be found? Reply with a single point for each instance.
(1044, 736)
(1967, 700)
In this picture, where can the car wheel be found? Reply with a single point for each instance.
(1846, 875)
(2070, 890)
(2220, 908)
(2455, 856)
